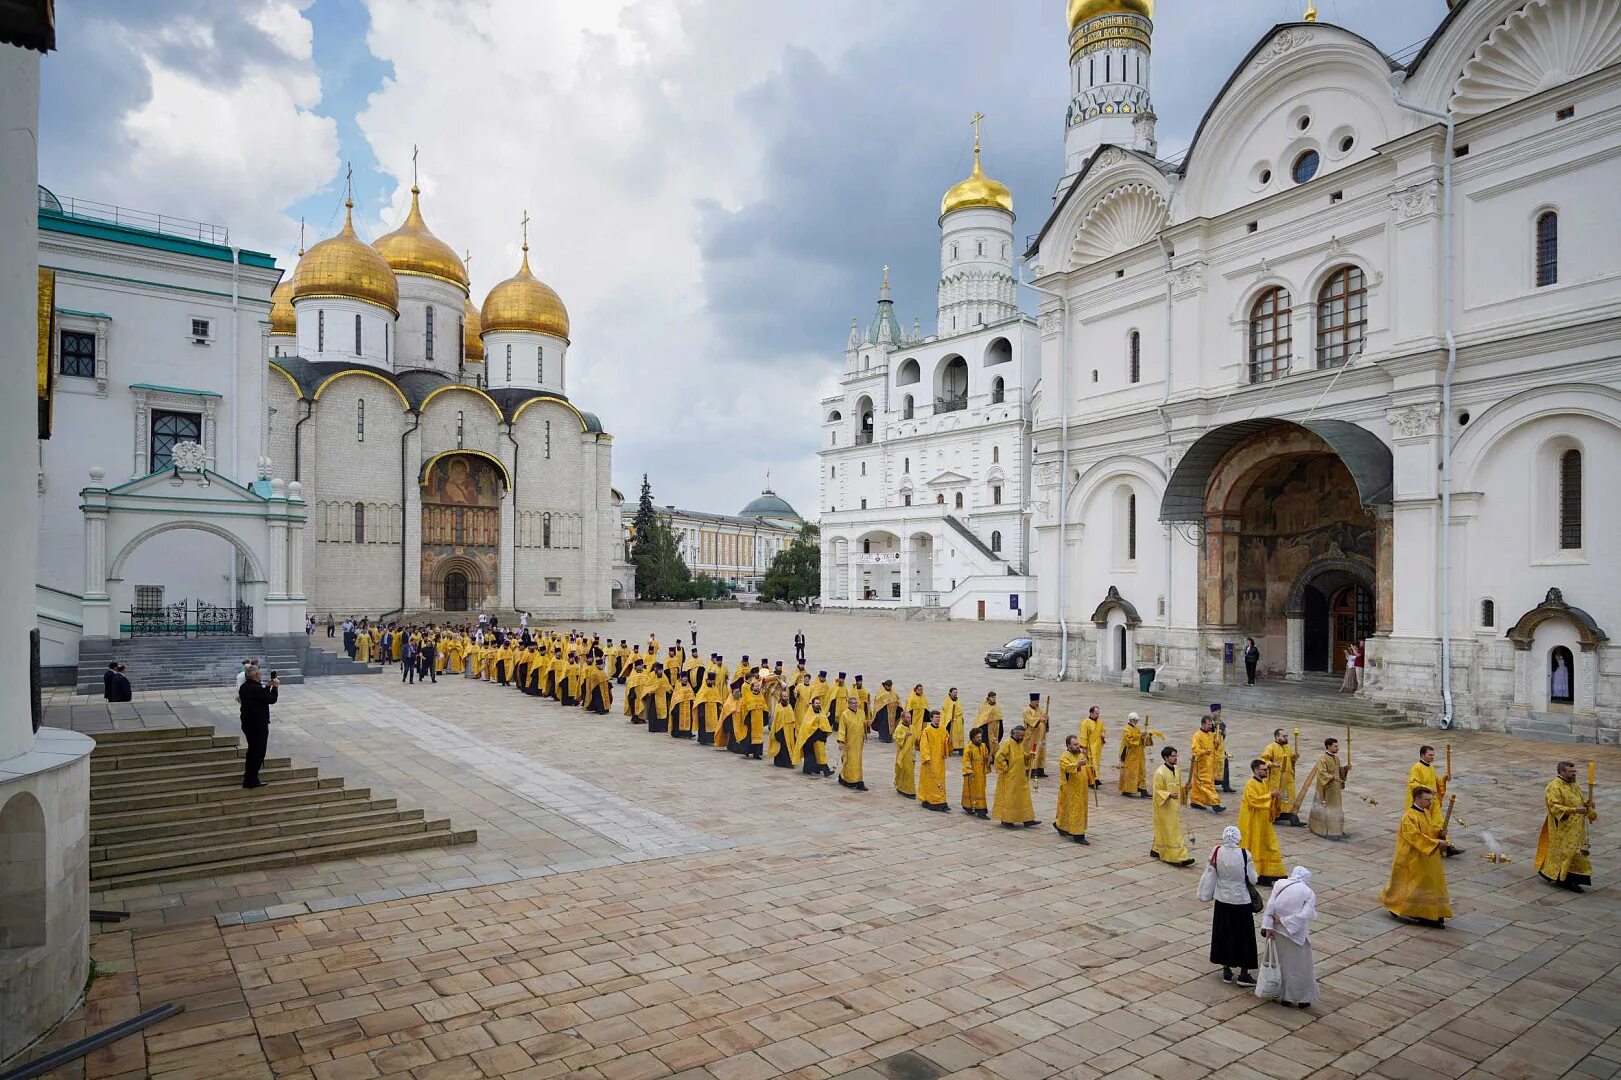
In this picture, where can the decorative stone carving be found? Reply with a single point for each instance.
(1287, 41)
(1051, 322)
(1543, 44)
(188, 456)
(1415, 201)
(1122, 219)
(1188, 278)
(1414, 421)
(1109, 157)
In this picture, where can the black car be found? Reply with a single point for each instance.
(1014, 654)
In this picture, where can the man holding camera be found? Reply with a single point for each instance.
(256, 698)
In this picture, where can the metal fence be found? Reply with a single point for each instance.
(191, 619)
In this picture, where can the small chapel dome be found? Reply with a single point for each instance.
(412, 249)
(524, 302)
(977, 190)
(472, 327)
(1083, 10)
(346, 266)
(283, 320)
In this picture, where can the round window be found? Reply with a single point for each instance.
(1346, 144)
(1266, 176)
(1303, 123)
(1305, 166)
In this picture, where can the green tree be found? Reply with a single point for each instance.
(661, 573)
(796, 573)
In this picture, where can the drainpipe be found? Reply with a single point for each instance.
(1396, 80)
(1063, 483)
(405, 478)
(1165, 397)
(236, 379)
(298, 446)
(513, 539)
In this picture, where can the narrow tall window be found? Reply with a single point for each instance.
(1547, 248)
(906, 465)
(428, 338)
(78, 354)
(357, 335)
(996, 541)
(509, 364)
(863, 468)
(360, 523)
(546, 531)
(548, 438)
(540, 363)
(320, 331)
(996, 454)
(906, 408)
(997, 390)
(360, 420)
(1131, 527)
(1270, 335)
(461, 429)
(1570, 500)
(906, 499)
(958, 501)
(385, 343)
(1135, 361)
(996, 494)
(461, 336)
(1342, 316)
(1488, 613)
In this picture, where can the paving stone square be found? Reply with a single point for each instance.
(638, 906)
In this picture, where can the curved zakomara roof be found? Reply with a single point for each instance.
(1266, 39)
(415, 388)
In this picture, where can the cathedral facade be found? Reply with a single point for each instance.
(925, 455)
(1345, 375)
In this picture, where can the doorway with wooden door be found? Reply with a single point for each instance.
(1350, 623)
(982, 611)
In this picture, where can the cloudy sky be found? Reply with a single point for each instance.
(713, 185)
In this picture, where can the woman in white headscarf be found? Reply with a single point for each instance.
(1232, 928)
(1285, 921)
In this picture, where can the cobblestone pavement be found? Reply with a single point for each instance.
(671, 909)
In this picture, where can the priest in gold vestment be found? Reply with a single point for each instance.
(1074, 787)
(1327, 818)
(1562, 848)
(1418, 883)
(934, 747)
(1255, 815)
(1012, 806)
(1169, 845)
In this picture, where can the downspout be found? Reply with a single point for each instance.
(1396, 81)
(513, 540)
(298, 445)
(405, 478)
(1063, 483)
(1165, 397)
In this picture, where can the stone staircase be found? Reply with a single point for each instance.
(158, 663)
(1552, 727)
(1312, 698)
(168, 804)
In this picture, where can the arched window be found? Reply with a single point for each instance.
(461, 336)
(996, 390)
(906, 407)
(940, 498)
(546, 530)
(1570, 500)
(996, 541)
(509, 363)
(320, 331)
(863, 468)
(360, 523)
(1131, 526)
(1488, 614)
(1547, 248)
(957, 501)
(1270, 335)
(357, 335)
(1342, 316)
(996, 454)
(360, 420)
(1134, 358)
(906, 466)
(461, 429)
(428, 338)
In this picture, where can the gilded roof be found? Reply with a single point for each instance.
(413, 249)
(345, 265)
(524, 302)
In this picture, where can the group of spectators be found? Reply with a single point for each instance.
(1229, 881)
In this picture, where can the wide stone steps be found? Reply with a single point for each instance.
(168, 804)
(334, 803)
(181, 663)
(1306, 701)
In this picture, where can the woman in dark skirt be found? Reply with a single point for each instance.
(1232, 930)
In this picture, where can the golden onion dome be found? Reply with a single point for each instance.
(472, 327)
(345, 265)
(524, 302)
(1083, 10)
(977, 190)
(283, 320)
(412, 249)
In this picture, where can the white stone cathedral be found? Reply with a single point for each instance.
(1345, 374)
(925, 452)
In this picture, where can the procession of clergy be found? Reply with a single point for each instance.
(761, 710)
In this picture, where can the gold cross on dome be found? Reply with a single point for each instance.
(525, 224)
(886, 275)
(975, 119)
(413, 165)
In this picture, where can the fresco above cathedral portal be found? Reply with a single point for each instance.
(461, 532)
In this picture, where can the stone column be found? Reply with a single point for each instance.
(1295, 628)
(276, 553)
(1415, 545)
(413, 590)
(295, 541)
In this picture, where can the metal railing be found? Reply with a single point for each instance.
(191, 619)
(951, 403)
(863, 438)
(167, 224)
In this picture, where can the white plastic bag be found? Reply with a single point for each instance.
(1269, 980)
(1207, 884)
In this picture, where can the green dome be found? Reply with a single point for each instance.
(771, 507)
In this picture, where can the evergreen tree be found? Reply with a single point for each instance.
(661, 573)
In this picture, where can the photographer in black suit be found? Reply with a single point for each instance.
(256, 698)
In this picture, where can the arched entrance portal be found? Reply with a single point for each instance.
(1295, 537)
(461, 530)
